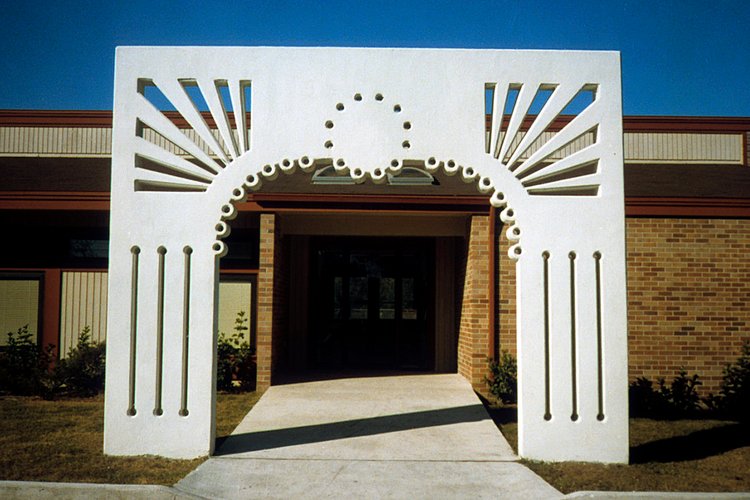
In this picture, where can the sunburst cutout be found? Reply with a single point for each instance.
(524, 137)
(212, 131)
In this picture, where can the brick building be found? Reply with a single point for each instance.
(408, 275)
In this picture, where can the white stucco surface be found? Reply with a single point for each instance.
(368, 112)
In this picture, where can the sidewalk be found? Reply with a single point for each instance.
(415, 436)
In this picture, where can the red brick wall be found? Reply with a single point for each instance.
(506, 294)
(474, 311)
(688, 296)
(272, 301)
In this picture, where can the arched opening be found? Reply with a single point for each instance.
(358, 276)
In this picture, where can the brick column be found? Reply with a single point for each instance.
(271, 300)
(474, 322)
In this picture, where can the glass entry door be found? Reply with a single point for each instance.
(370, 303)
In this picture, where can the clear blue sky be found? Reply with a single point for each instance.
(679, 57)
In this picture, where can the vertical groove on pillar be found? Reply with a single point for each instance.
(573, 360)
(547, 410)
(133, 328)
(185, 331)
(599, 364)
(158, 411)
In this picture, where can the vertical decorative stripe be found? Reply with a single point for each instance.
(547, 410)
(573, 357)
(185, 331)
(158, 411)
(599, 362)
(133, 328)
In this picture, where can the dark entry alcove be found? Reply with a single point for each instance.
(371, 303)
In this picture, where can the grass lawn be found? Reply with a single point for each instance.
(665, 455)
(62, 441)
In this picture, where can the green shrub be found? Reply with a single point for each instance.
(734, 397)
(644, 400)
(503, 379)
(235, 367)
(245, 368)
(679, 399)
(224, 363)
(25, 367)
(683, 394)
(81, 373)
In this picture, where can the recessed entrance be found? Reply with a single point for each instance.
(371, 303)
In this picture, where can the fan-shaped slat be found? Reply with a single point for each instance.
(560, 98)
(523, 102)
(581, 124)
(238, 106)
(171, 160)
(165, 179)
(573, 182)
(498, 113)
(153, 118)
(211, 96)
(586, 155)
(173, 90)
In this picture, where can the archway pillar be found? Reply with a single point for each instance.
(572, 342)
(161, 345)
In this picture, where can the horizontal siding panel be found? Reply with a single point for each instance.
(642, 147)
(83, 303)
(651, 147)
(55, 141)
(655, 147)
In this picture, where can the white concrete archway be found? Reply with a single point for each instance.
(367, 111)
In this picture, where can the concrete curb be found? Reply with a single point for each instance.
(39, 489)
(606, 495)
(65, 491)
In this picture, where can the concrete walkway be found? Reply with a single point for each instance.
(414, 436)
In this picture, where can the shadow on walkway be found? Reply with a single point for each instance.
(503, 415)
(694, 446)
(279, 438)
